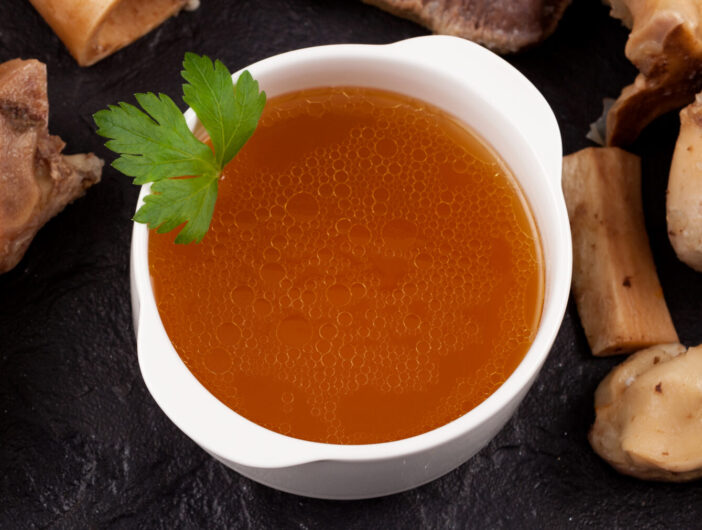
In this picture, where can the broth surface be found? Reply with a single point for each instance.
(372, 271)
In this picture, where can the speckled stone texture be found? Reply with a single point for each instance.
(82, 443)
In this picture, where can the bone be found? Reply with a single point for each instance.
(665, 45)
(616, 287)
(94, 29)
(684, 196)
(504, 26)
(36, 180)
(649, 415)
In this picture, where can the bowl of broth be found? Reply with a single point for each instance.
(386, 270)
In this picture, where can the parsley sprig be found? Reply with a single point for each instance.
(155, 145)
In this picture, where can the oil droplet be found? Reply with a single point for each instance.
(460, 166)
(325, 190)
(358, 290)
(308, 297)
(412, 322)
(245, 220)
(359, 234)
(344, 318)
(338, 294)
(358, 251)
(277, 212)
(328, 331)
(379, 208)
(229, 333)
(343, 225)
(420, 155)
(443, 209)
(271, 254)
(381, 194)
(242, 295)
(342, 190)
(262, 214)
(423, 260)
(272, 272)
(294, 330)
(347, 351)
(410, 289)
(302, 206)
(399, 234)
(218, 360)
(279, 241)
(316, 109)
(262, 307)
(386, 147)
(423, 346)
(322, 346)
(287, 397)
(341, 176)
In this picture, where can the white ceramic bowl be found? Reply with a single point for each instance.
(485, 92)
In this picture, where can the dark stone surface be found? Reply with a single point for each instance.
(82, 444)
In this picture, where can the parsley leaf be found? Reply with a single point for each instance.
(178, 201)
(230, 116)
(156, 147)
(155, 144)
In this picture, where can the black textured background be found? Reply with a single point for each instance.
(82, 444)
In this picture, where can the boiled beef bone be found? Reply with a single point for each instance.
(36, 180)
(501, 25)
(665, 45)
(684, 196)
(615, 284)
(649, 414)
(94, 29)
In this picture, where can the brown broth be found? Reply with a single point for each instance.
(372, 271)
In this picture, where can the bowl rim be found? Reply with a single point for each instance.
(284, 451)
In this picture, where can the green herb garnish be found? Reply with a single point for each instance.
(157, 146)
